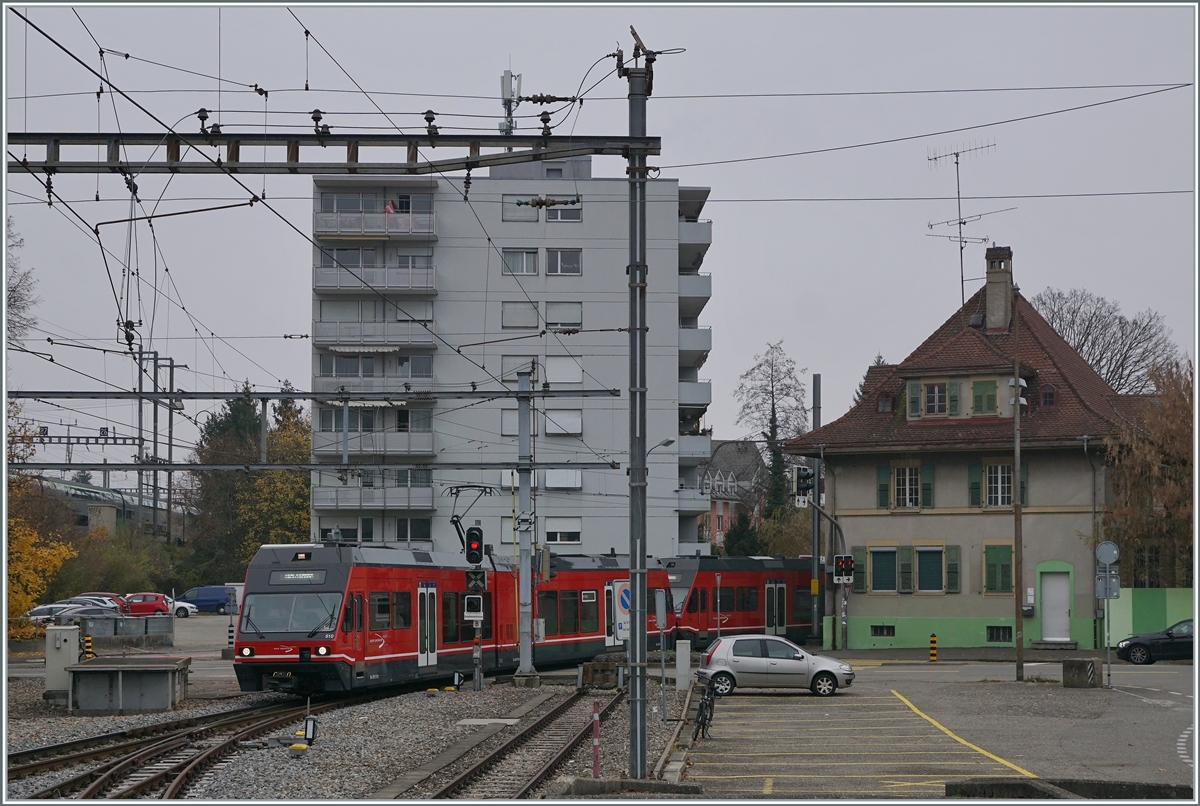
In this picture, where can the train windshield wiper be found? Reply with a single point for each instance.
(328, 620)
(250, 624)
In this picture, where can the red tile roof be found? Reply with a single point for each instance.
(1084, 403)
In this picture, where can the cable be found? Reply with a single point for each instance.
(926, 134)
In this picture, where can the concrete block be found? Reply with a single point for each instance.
(1082, 673)
(683, 665)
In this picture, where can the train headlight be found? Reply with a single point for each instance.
(246, 651)
(323, 651)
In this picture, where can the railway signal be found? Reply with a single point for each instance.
(476, 580)
(474, 546)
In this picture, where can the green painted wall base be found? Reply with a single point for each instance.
(952, 632)
(1143, 610)
(827, 632)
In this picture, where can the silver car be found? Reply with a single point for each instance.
(768, 661)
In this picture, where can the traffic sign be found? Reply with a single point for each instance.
(1107, 552)
(622, 596)
(1108, 586)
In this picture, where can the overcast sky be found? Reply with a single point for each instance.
(828, 251)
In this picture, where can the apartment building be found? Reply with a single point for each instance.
(461, 295)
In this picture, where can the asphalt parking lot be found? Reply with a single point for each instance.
(904, 730)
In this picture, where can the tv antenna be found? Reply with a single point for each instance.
(935, 158)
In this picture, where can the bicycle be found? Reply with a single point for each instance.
(704, 711)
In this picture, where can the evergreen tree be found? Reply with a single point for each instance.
(741, 540)
(862, 385)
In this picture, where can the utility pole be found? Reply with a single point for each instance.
(524, 521)
(141, 450)
(815, 586)
(154, 475)
(1018, 540)
(641, 82)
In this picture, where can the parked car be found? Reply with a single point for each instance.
(182, 609)
(85, 611)
(116, 597)
(207, 598)
(90, 601)
(147, 604)
(768, 661)
(43, 614)
(1173, 642)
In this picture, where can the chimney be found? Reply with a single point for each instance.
(999, 288)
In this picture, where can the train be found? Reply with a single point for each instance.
(322, 618)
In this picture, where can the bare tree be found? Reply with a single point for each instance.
(771, 399)
(1123, 351)
(20, 283)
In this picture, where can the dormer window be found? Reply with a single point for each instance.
(884, 404)
(935, 398)
(1048, 395)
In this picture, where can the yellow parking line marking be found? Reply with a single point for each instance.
(861, 764)
(843, 753)
(944, 730)
(914, 783)
(840, 776)
(768, 786)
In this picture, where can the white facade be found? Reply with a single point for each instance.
(416, 242)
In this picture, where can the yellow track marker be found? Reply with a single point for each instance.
(768, 786)
(946, 731)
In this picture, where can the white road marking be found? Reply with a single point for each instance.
(1181, 746)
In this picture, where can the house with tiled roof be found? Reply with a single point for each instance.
(735, 480)
(920, 476)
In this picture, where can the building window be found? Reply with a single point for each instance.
(563, 369)
(554, 173)
(563, 479)
(999, 635)
(564, 530)
(512, 210)
(997, 560)
(414, 420)
(573, 213)
(929, 570)
(564, 261)
(884, 404)
(883, 630)
(518, 314)
(520, 261)
(908, 487)
(999, 485)
(984, 397)
(564, 314)
(567, 422)
(935, 398)
(510, 365)
(357, 420)
(883, 570)
(350, 258)
(509, 424)
(351, 366)
(1048, 398)
(413, 366)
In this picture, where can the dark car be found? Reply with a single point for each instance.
(1173, 642)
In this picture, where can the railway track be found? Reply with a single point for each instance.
(515, 768)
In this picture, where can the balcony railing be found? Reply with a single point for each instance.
(695, 393)
(353, 497)
(373, 442)
(398, 333)
(694, 447)
(379, 384)
(383, 278)
(376, 224)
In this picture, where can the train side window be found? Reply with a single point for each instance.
(747, 599)
(608, 611)
(402, 610)
(358, 612)
(589, 612)
(568, 612)
(801, 604)
(723, 599)
(348, 615)
(450, 618)
(704, 600)
(547, 608)
(381, 611)
(693, 605)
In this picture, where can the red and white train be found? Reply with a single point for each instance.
(332, 618)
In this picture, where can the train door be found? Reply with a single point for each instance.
(427, 605)
(776, 599)
(610, 616)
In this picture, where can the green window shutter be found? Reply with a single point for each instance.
(883, 477)
(999, 569)
(904, 558)
(977, 394)
(860, 569)
(952, 393)
(975, 483)
(991, 580)
(1024, 484)
(927, 486)
(914, 399)
(952, 570)
(989, 397)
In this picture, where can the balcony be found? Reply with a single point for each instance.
(400, 334)
(695, 343)
(695, 290)
(693, 501)
(695, 394)
(373, 443)
(694, 449)
(398, 226)
(332, 279)
(353, 497)
(694, 239)
(330, 385)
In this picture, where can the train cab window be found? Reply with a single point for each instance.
(747, 599)
(348, 615)
(589, 612)
(693, 605)
(568, 612)
(450, 619)
(547, 608)
(381, 611)
(401, 610)
(703, 600)
(358, 612)
(723, 599)
(467, 628)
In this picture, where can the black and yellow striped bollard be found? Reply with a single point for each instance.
(932, 647)
(87, 647)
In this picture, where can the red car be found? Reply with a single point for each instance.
(114, 597)
(147, 604)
